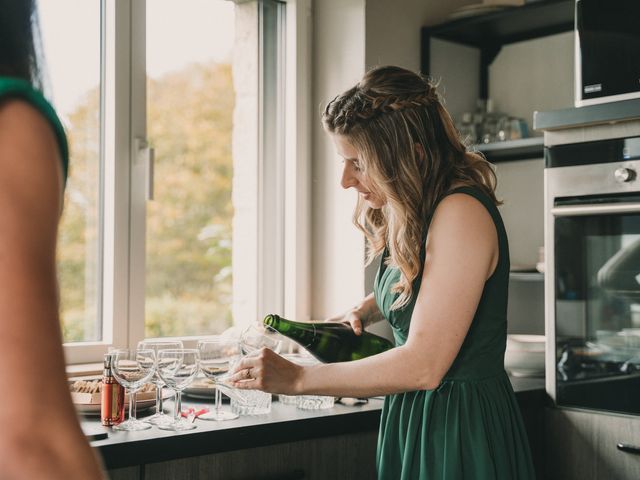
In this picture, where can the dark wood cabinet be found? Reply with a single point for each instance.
(582, 445)
(347, 456)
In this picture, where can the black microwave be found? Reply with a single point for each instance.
(607, 51)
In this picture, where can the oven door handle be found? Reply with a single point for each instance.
(601, 209)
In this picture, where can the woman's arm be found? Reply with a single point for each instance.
(40, 435)
(361, 316)
(462, 252)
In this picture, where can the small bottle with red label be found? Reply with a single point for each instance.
(112, 396)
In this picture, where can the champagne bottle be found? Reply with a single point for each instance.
(329, 341)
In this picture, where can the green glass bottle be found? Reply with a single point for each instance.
(329, 342)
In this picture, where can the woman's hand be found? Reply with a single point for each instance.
(267, 371)
(360, 316)
(355, 317)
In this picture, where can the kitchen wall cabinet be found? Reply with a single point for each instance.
(581, 445)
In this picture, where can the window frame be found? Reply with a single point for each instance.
(126, 178)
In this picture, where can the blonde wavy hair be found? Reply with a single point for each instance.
(412, 153)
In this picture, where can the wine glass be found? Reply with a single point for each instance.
(256, 336)
(177, 368)
(159, 418)
(132, 369)
(216, 357)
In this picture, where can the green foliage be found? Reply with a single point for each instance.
(189, 231)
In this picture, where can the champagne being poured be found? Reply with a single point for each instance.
(329, 342)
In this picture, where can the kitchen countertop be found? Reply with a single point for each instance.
(611, 112)
(285, 423)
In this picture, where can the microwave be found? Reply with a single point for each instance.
(607, 51)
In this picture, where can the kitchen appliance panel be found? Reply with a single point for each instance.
(607, 51)
(592, 289)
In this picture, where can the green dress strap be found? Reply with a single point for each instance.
(13, 87)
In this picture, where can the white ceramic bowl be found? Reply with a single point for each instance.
(526, 343)
(524, 356)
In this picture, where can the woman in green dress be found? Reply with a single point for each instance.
(40, 435)
(428, 209)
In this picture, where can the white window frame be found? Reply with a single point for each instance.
(299, 119)
(126, 177)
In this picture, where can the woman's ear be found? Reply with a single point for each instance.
(420, 151)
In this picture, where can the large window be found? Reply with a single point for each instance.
(190, 104)
(184, 127)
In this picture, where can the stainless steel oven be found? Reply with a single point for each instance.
(592, 274)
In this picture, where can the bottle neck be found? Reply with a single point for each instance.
(302, 332)
(106, 372)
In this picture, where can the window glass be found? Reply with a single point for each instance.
(73, 71)
(190, 104)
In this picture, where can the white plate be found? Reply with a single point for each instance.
(201, 388)
(201, 393)
(142, 404)
(94, 408)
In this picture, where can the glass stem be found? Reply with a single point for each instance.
(158, 398)
(132, 404)
(176, 415)
(218, 401)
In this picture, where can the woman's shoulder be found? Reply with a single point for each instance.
(464, 214)
(21, 123)
(25, 109)
(29, 149)
(462, 203)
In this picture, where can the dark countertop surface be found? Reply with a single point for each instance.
(285, 423)
(611, 112)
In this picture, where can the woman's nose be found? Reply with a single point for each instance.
(348, 179)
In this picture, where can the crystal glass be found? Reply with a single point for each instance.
(159, 418)
(256, 336)
(306, 402)
(177, 369)
(315, 402)
(290, 399)
(216, 357)
(250, 402)
(132, 369)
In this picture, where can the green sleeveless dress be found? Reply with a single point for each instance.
(12, 87)
(469, 427)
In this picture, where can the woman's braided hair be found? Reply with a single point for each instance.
(412, 153)
(350, 110)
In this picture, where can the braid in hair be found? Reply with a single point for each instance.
(358, 106)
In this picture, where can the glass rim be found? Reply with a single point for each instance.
(217, 340)
(129, 351)
(161, 342)
(178, 350)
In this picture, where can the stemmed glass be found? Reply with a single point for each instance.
(216, 357)
(132, 369)
(177, 368)
(159, 418)
(256, 336)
